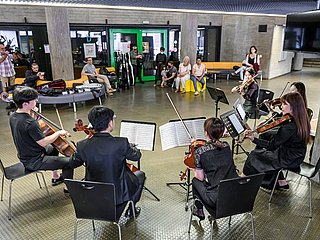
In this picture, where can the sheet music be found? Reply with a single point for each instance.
(236, 123)
(141, 134)
(173, 134)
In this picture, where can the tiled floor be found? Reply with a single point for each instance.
(35, 218)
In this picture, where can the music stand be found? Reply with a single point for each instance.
(218, 96)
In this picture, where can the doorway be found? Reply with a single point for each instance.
(148, 42)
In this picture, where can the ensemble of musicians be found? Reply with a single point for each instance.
(105, 156)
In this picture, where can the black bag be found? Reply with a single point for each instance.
(104, 71)
(55, 84)
(93, 79)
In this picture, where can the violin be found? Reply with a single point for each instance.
(273, 124)
(79, 126)
(61, 144)
(243, 86)
(189, 157)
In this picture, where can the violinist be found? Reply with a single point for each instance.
(249, 91)
(105, 158)
(34, 148)
(213, 162)
(286, 149)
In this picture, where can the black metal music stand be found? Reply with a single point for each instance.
(218, 96)
(186, 186)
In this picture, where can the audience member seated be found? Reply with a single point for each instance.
(90, 70)
(105, 158)
(198, 72)
(252, 63)
(33, 75)
(171, 74)
(183, 74)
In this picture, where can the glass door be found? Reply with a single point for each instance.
(148, 42)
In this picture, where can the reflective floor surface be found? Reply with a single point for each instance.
(35, 218)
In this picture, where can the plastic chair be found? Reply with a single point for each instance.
(264, 94)
(306, 170)
(14, 172)
(235, 196)
(95, 201)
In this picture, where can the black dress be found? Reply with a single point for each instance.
(217, 164)
(284, 150)
(250, 103)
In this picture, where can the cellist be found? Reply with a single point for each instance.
(34, 148)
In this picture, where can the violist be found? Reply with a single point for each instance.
(286, 149)
(34, 148)
(213, 162)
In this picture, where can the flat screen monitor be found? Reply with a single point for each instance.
(302, 32)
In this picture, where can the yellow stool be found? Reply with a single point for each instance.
(190, 87)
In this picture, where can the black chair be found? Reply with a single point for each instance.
(306, 170)
(235, 196)
(95, 201)
(264, 94)
(14, 172)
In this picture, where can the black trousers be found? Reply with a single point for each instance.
(51, 161)
(200, 191)
(137, 72)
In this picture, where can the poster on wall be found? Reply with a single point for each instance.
(145, 47)
(46, 48)
(125, 47)
(89, 50)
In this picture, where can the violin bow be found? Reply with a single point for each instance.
(59, 118)
(285, 87)
(179, 116)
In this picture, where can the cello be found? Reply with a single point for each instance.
(189, 157)
(48, 128)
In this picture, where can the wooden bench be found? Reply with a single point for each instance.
(69, 83)
(215, 68)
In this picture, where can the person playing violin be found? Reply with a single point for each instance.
(34, 148)
(213, 162)
(249, 91)
(286, 149)
(105, 158)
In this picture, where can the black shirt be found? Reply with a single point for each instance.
(26, 132)
(217, 163)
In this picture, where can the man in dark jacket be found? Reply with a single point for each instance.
(33, 75)
(105, 159)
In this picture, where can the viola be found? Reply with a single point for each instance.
(189, 157)
(61, 144)
(273, 124)
(243, 86)
(79, 126)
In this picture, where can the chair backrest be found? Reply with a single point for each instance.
(317, 168)
(93, 200)
(237, 195)
(265, 94)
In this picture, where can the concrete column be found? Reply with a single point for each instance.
(59, 43)
(189, 28)
(298, 61)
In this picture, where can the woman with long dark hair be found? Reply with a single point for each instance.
(286, 149)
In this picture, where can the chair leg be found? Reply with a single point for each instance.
(10, 191)
(75, 229)
(229, 221)
(191, 210)
(119, 230)
(93, 227)
(2, 185)
(252, 225)
(45, 185)
(211, 228)
(274, 186)
(310, 193)
(133, 209)
(38, 180)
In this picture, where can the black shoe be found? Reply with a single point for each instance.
(199, 213)
(66, 191)
(284, 187)
(129, 213)
(55, 182)
(11, 106)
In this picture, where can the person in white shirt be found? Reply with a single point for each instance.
(198, 72)
(183, 74)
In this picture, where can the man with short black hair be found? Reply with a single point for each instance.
(105, 158)
(90, 70)
(34, 148)
(32, 76)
